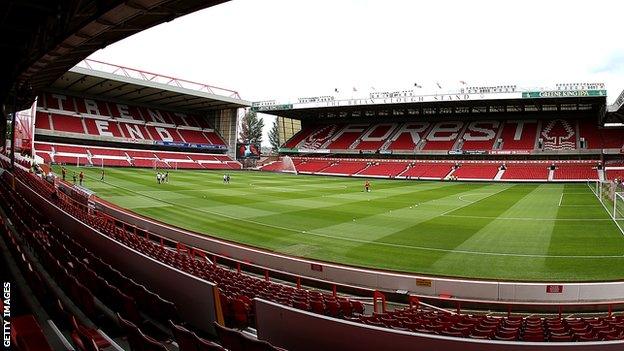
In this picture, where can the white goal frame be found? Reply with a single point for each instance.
(613, 201)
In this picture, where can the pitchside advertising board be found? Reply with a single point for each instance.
(247, 151)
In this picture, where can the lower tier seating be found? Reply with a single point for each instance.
(117, 157)
(510, 328)
(526, 171)
(462, 170)
(576, 171)
(385, 169)
(477, 171)
(615, 174)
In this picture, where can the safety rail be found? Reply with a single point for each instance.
(155, 77)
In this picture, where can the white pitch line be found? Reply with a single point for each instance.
(528, 218)
(560, 199)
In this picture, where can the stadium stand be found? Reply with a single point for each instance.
(519, 135)
(135, 136)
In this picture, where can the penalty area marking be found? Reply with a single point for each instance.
(381, 243)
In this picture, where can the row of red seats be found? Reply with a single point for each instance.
(123, 130)
(555, 134)
(105, 109)
(238, 288)
(439, 170)
(97, 156)
(512, 328)
(87, 285)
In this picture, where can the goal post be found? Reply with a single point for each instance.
(611, 196)
(618, 209)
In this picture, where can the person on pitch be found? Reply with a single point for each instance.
(81, 177)
(63, 172)
(102, 175)
(367, 186)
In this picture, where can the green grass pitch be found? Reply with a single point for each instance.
(538, 232)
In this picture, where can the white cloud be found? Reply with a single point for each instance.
(281, 49)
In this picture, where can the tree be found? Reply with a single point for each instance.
(251, 128)
(274, 136)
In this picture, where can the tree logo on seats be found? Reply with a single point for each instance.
(558, 134)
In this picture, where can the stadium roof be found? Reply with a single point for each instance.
(578, 99)
(42, 39)
(106, 81)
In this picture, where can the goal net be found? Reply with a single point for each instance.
(288, 165)
(611, 195)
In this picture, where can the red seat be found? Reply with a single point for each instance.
(205, 345)
(186, 339)
(231, 339)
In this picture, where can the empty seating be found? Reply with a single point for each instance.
(526, 171)
(385, 169)
(345, 167)
(58, 114)
(114, 157)
(519, 135)
(576, 171)
(482, 171)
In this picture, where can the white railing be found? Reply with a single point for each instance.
(155, 77)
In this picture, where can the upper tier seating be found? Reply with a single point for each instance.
(505, 135)
(558, 134)
(60, 113)
(519, 135)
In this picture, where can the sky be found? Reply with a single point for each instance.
(284, 49)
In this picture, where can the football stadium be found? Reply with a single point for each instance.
(134, 214)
